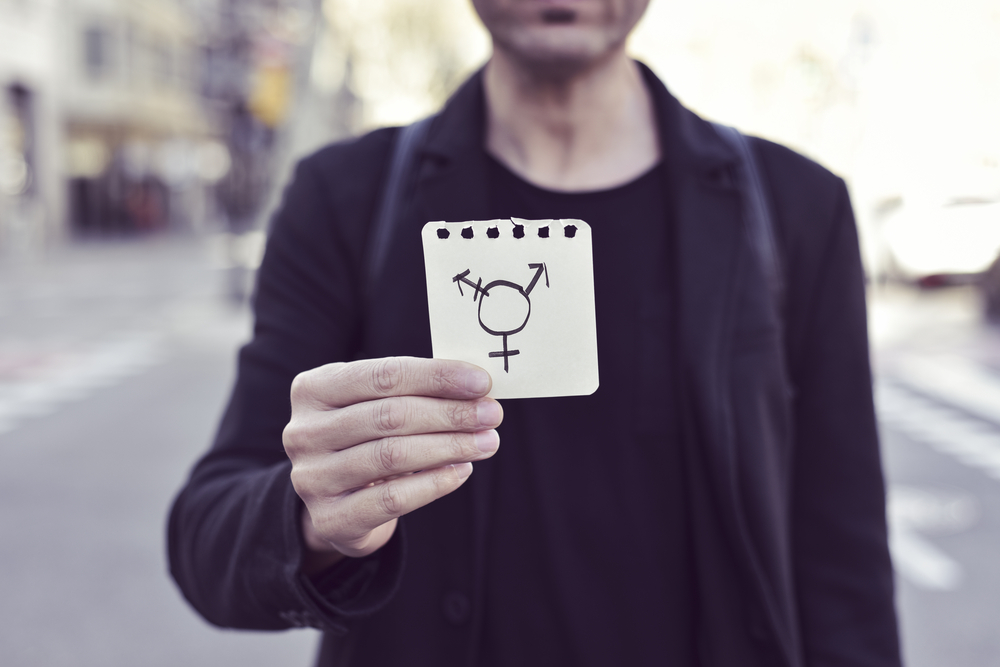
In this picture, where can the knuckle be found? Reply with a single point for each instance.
(390, 500)
(446, 480)
(334, 525)
(293, 438)
(386, 375)
(461, 413)
(301, 385)
(443, 378)
(300, 481)
(304, 481)
(388, 454)
(331, 522)
(297, 479)
(329, 527)
(390, 415)
(301, 436)
(461, 447)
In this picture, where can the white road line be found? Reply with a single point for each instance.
(914, 511)
(970, 441)
(77, 378)
(954, 380)
(967, 439)
(951, 431)
(920, 562)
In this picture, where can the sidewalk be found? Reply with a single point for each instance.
(116, 360)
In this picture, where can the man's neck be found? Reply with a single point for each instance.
(589, 131)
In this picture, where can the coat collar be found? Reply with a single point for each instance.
(459, 130)
(453, 159)
(711, 255)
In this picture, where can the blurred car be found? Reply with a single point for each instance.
(948, 243)
(989, 287)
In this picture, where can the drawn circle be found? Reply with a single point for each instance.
(502, 302)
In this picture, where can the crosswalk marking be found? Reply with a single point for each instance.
(971, 441)
(953, 406)
(914, 511)
(920, 562)
(77, 377)
(954, 380)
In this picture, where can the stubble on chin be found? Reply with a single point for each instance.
(555, 59)
(559, 42)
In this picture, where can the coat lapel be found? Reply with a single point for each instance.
(709, 246)
(711, 250)
(452, 182)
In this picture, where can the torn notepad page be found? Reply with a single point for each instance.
(517, 298)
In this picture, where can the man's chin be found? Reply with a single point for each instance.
(560, 55)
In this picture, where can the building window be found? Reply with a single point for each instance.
(162, 62)
(97, 55)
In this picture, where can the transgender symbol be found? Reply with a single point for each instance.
(507, 313)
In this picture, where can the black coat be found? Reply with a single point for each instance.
(785, 481)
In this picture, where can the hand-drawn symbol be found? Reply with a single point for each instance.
(505, 316)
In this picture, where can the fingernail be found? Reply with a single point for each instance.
(488, 413)
(487, 441)
(477, 382)
(463, 470)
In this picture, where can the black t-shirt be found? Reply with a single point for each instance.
(589, 560)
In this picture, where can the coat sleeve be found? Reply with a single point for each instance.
(234, 538)
(842, 569)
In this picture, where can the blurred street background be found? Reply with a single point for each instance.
(144, 143)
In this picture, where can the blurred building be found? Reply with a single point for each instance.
(120, 116)
(31, 198)
(255, 61)
(102, 125)
(131, 116)
(399, 59)
(898, 97)
(137, 135)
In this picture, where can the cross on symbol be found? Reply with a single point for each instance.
(504, 316)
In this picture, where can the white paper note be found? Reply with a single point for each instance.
(517, 298)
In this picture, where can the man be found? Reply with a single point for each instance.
(718, 501)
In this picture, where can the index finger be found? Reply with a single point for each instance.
(342, 384)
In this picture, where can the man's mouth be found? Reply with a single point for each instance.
(558, 15)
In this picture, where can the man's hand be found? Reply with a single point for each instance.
(372, 440)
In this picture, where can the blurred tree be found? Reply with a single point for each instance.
(404, 57)
(252, 53)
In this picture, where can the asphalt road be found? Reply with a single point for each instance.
(938, 395)
(115, 361)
